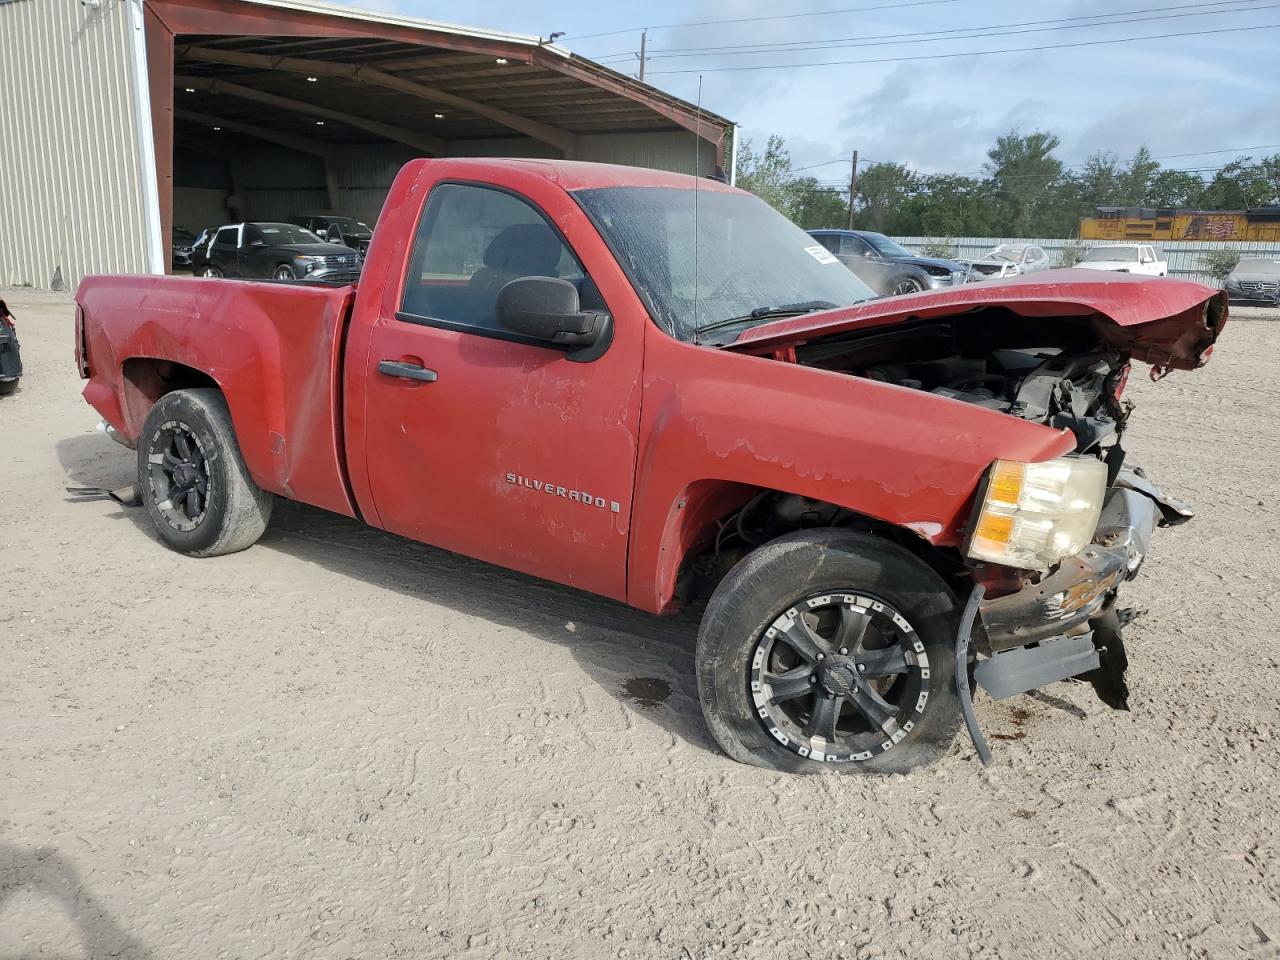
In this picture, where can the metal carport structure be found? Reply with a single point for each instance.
(126, 109)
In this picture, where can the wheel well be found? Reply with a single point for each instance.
(147, 379)
(767, 514)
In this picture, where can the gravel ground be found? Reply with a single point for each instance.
(344, 744)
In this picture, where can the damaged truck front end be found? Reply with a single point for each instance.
(1047, 546)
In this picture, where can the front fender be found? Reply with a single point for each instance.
(717, 424)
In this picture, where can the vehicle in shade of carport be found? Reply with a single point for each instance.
(180, 248)
(886, 278)
(10, 354)
(874, 246)
(559, 368)
(274, 251)
(1255, 280)
(1009, 260)
(332, 228)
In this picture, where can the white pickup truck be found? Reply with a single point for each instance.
(1126, 258)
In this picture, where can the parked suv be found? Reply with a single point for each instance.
(356, 234)
(876, 248)
(276, 251)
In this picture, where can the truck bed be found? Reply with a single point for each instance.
(275, 350)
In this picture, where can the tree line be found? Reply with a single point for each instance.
(1023, 190)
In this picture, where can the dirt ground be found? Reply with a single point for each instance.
(344, 744)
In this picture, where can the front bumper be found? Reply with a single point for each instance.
(1083, 587)
(1066, 625)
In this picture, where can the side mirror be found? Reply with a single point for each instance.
(547, 308)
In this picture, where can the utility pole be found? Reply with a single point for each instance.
(853, 186)
(644, 36)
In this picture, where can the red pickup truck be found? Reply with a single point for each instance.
(656, 388)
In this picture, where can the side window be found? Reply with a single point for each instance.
(227, 236)
(853, 247)
(830, 241)
(253, 235)
(471, 242)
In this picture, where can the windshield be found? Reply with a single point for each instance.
(183, 236)
(1258, 265)
(1006, 252)
(749, 258)
(287, 233)
(886, 247)
(1111, 253)
(348, 225)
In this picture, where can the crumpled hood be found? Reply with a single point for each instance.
(1170, 324)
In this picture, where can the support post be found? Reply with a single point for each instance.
(853, 186)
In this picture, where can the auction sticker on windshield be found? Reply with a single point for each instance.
(821, 254)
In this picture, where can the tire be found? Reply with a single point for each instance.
(906, 285)
(210, 271)
(7, 387)
(284, 272)
(188, 444)
(735, 656)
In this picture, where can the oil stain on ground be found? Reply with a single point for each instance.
(647, 691)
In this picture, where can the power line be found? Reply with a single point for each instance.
(780, 16)
(926, 36)
(969, 53)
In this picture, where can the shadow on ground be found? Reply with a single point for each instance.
(614, 643)
(47, 874)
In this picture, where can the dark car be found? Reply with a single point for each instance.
(356, 234)
(180, 248)
(276, 251)
(1255, 280)
(10, 357)
(868, 247)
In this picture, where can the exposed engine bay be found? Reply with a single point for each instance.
(1050, 371)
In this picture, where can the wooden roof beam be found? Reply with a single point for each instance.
(544, 132)
(432, 146)
(301, 144)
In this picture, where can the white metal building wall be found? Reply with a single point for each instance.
(77, 178)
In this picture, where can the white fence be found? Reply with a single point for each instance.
(1185, 256)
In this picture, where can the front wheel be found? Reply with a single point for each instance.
(907, 285)
(830, 650)
(284, 272)
(193, 480)
(210, 271)
(7, 387)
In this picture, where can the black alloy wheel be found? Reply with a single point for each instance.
(839, 677)
(178, 475)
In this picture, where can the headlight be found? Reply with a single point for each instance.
(1034, 514)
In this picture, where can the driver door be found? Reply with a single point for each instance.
(485, 442)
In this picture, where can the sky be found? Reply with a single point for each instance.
(1196, 100)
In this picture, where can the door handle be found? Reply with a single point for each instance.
(407, 371)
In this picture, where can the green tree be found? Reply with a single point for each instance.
(883, 191)
(1026, 180)
(1174, 188)
(815, 207)
(766, 174)
(1136, 181)
(1220, 263)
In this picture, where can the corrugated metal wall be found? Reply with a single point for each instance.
(1186, 257)
(72, 194)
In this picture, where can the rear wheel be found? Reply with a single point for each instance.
(193, 480)
(830, 650)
